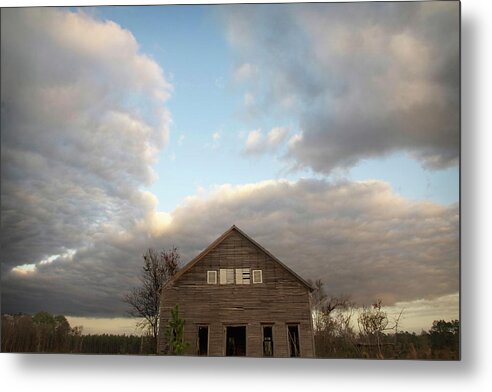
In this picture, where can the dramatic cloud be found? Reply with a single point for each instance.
(83, 119)
(359, 238)
(362, 80)
(257, 143)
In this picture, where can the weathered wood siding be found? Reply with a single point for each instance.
(280, 300)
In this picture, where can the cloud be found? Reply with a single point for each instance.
(216, 136)
(421, 313)
(75, 221)
(257, 143)
(246, 71)
(362, 80)
(83, 119)
(360, 238)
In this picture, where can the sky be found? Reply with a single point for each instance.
(327, 132)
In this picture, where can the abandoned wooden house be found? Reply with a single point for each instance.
(237, 299)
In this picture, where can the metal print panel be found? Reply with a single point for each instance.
(252, 180)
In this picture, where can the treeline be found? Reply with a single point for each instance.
(116, 344)
(377, 334)
(45, 333)
(433, 344)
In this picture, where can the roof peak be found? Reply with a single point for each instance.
(221, 238)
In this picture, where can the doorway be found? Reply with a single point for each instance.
(293, 336)
(236, 341)
(203, 340)
(268, 340)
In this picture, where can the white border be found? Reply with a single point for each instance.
(127, 373)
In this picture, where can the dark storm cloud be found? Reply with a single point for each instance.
(362, 80)
(74, 145)
(361, 239)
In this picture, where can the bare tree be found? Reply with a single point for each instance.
(374, 321)
(144, 301)
(332, 315)
(318, 296)
(324, 307)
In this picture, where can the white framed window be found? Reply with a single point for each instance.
(257, 276)
(226, 275)
(212, 277)
(242, 276)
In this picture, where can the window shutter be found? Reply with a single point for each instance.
(246, 276)
(230, 276)
(212, 277)
(239, 276)
(223, 276)
(226, 275)
(242, 276)
(257, 276)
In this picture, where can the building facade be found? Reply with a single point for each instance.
(237, 299)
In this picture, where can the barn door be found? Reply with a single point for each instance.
(236, 341)
(203, 340)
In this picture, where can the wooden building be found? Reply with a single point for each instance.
(237, 299)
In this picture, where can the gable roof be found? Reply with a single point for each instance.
(219, 240)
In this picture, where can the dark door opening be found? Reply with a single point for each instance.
(236, 341)
(202, 340)
(267, 341)
(293, 333)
